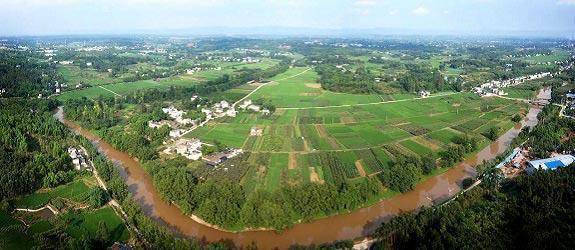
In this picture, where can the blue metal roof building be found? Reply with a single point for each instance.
(551, 163)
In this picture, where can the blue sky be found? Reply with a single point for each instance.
(48, 17)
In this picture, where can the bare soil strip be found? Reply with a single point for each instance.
(292, 161)
(360, 169)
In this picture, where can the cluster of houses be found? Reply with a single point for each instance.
(220, 109)
(178, 121)
(495, 87)
(78, 158)
(518, 161)
(192, 149)
(250, 106)
(189, 148)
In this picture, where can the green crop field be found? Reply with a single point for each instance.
(87, 223)
(74, 75)
(75, 191)
(299, 88)
(558, 55)
(331, 144)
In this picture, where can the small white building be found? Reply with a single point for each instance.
(424, 93)
(224, 104)
(231, 112)
(78, 158)
(266, 112)
(155, 124)
(176, 133)
(255, 131)
(254, 108)
(246, 104)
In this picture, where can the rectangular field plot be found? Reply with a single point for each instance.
(444, 135)
(232, 135)
(278, 164)
(335, 168)
(416, 147)
(370, 162)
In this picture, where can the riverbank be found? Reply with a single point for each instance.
(357, 224)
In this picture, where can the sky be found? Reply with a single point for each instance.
(484, 17)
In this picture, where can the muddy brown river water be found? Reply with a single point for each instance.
(359, 223)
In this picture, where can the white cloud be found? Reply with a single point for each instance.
(420, 11)
(566, 2)
(393, 12)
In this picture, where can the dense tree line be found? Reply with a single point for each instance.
(225, 203)
(32, 147)
(337, 80)
(21, 75)
(550, 135)
(528, 212)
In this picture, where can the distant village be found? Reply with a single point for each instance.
(495, 87)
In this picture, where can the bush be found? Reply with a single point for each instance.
(467, 182)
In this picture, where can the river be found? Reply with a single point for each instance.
(359, 223)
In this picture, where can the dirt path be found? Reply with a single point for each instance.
(365, 104)
(102, 87)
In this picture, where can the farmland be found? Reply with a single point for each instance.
(303, 91)
(308, 140)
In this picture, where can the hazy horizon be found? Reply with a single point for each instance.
(547, 18)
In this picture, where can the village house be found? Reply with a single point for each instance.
(176, 133)
(177, 115)
(246, 104)
(155, 124)
(424, 93)
(254, 108)
(78, 158)
(219, 157)
(189, 148)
